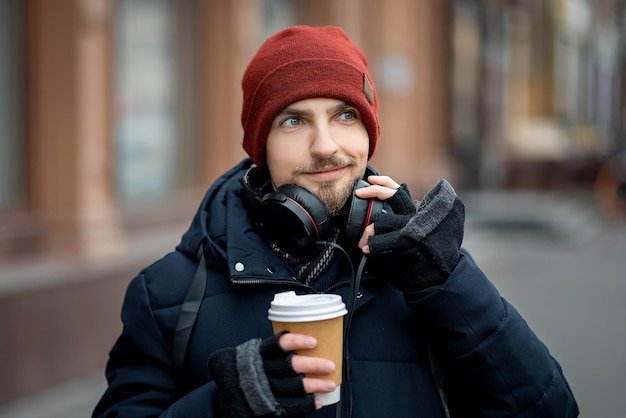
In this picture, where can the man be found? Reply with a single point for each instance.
(427, 335)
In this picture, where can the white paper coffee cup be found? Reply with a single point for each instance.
(317, 315)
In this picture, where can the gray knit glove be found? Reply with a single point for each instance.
(256, 379)
(419, 251)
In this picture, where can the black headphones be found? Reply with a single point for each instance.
(295, 219)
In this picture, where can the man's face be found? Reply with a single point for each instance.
(321, 145)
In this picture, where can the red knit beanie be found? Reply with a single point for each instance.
(298, 63)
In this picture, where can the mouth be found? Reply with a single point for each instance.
(325, 170)
(327, 173)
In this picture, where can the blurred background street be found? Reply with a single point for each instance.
(116, 116)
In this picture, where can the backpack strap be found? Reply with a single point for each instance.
(188, 316)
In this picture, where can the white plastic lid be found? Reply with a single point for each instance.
(289, 307)
(329, 398)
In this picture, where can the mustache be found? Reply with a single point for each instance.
(326, 163)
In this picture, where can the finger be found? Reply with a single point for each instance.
(375, 191)
(294, 342)
(315, 385)
(312, 365)
(367, 232)
(385, 181)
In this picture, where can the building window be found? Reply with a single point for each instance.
(147, 127)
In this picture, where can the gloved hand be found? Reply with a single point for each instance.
(256, 379)
(419, 250)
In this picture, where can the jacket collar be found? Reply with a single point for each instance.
(249, 256)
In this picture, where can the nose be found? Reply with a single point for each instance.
(323, 144)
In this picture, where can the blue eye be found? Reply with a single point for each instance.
(290, 122)
(348, 115)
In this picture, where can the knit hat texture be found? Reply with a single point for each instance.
(298, 63)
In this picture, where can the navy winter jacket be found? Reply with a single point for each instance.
(492, 364)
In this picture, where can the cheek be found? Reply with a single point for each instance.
(355, 140)
(279, 167)
(359, 150)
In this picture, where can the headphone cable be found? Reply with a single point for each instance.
(355, 285)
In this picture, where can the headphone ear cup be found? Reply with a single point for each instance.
(252, 184)
(293, 218)
(361, 213)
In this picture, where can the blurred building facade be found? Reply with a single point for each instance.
(117, 115)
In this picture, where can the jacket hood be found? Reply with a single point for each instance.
(223, 228)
